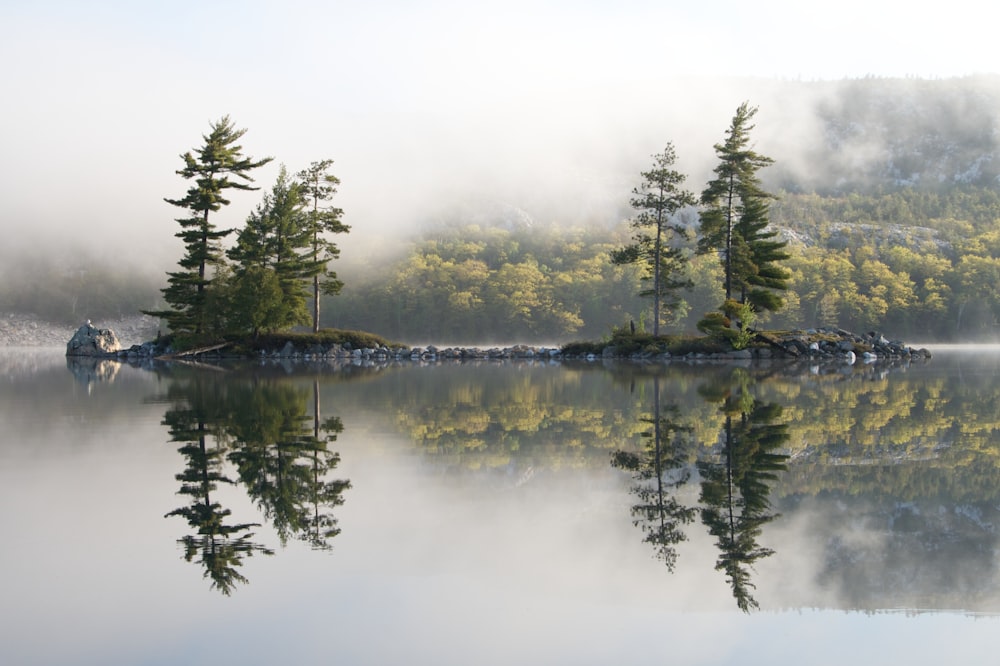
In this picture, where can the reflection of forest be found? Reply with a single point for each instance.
(911, 434)
(908, 453)
(261, 432)
(865, 440)
(735, 480)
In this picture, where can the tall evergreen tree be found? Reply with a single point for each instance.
(273, 261)
(658, 199)
(219, 165)
(734, 220)
(318, 185)
(763, 275)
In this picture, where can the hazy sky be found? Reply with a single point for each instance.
(417, 102)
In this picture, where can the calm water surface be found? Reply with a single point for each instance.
(496, 514)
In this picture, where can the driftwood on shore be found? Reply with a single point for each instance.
(192, 352)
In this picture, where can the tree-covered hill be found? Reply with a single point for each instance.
(888, 194)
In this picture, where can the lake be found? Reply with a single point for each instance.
(499, 513)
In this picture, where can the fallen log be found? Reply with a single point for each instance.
(192, 352)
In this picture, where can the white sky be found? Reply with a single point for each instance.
(417, 102)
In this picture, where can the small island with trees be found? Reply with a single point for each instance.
(262, 295)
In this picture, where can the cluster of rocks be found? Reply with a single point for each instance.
(347, 353)
(838, 343)
(428, 353)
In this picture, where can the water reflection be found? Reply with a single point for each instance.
(659, 469)
(735, 469)
(89, 371)
(736, 485)
(851, 487)
(260, 431)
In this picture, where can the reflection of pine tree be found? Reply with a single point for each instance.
(735, 489)
(219, 547)
(320, 527)
(658, 471)
(262, 428)
(283, 463)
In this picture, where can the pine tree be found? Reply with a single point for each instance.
(318, 186)
(219, 165)
(273, 262)
(735, 218)
(763, 275)
(658, 199)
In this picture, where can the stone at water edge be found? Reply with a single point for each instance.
(91, 341)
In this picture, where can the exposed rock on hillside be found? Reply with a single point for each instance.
(27, 330)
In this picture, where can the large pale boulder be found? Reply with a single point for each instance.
(91, 341)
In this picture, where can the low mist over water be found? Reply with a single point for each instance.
(577, 506)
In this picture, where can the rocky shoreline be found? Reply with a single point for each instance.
(815, 346)
(137, 334)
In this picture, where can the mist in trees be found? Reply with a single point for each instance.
(904, 242)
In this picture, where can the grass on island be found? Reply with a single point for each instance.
(625, 343)
(253, 345)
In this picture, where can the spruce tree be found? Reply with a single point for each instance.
(219, 165)
(734, 221)
(318, 185)
(658, 199)
(273, 262)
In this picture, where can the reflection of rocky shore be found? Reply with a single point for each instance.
(89, 370)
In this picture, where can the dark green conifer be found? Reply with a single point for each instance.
(734, 220)
(658, 199)
(318, 185)
(219, 165)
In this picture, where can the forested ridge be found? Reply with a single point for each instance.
(916, 263)
(891, 210)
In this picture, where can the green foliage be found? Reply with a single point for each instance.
(470, 283)
(318, 187)
(219, 165)
(734, 220)
(326, 336)
(715, 324)
(745, 317)
(657, 200)
(273, 263)
(583, 348)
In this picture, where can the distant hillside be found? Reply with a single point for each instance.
(886, 133)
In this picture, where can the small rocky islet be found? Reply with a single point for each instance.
(822, 344)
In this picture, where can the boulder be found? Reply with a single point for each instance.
(91, 341)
